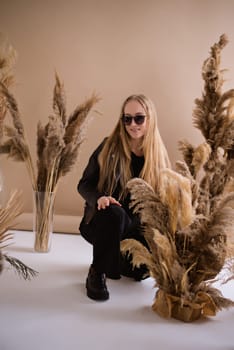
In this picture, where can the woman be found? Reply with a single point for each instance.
(134, 149)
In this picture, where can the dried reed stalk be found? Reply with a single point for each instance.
(189, 224)
(8, 214)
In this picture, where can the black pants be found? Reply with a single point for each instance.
(105, 231)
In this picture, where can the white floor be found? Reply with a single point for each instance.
(52, 310)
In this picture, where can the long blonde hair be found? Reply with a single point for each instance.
(115, 157)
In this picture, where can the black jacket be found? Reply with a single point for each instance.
(87, 186)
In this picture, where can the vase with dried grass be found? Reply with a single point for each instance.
(43, 220)
(58, 147)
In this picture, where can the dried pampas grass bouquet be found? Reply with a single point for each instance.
(58, 147)
(8, 214)
(58, 142)
(189, 221)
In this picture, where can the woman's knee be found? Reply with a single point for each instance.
(114, 216)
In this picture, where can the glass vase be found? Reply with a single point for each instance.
(43, 220)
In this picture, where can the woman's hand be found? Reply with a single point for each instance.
(105, 201)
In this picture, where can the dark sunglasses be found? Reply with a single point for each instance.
(138, 119)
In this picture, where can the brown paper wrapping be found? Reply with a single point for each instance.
(167, 306)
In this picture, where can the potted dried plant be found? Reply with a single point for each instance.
(58, 146)
(189, 222)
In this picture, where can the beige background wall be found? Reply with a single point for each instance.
(115, 48)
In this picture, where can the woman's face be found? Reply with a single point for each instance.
(136, 128)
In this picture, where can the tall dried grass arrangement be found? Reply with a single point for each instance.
(58, 146)
(8, 214)
(189, 224)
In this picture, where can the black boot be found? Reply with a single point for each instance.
(137, 273)
(96, 285)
